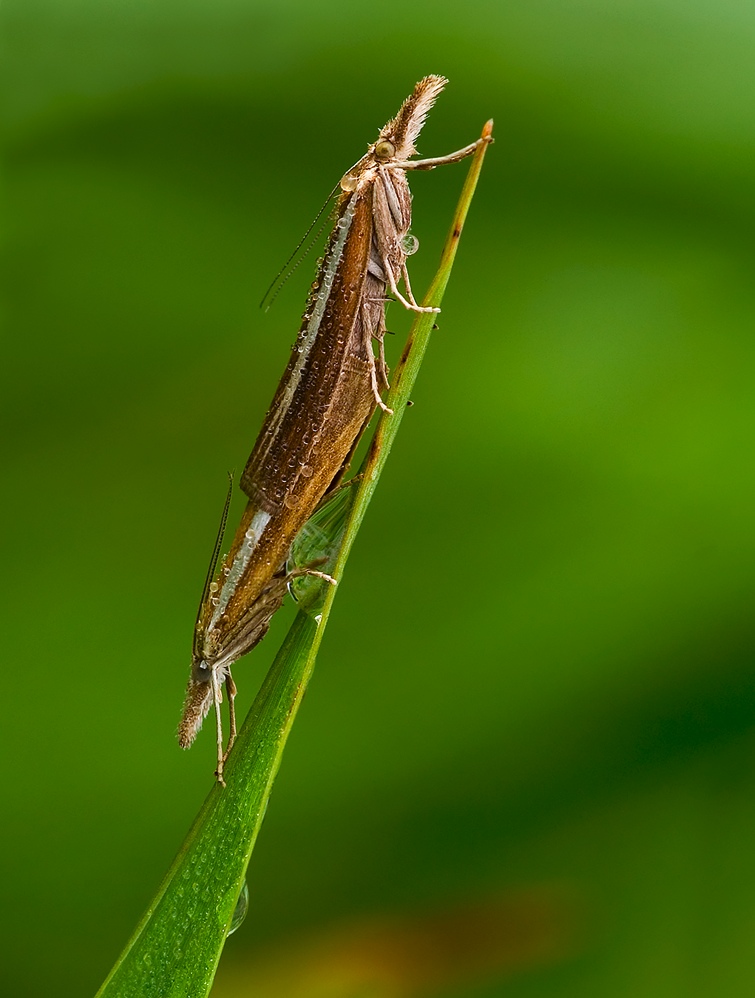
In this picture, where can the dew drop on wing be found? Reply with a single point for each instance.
(242, 907)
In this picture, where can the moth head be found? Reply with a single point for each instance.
(196, 707)
(402, 131)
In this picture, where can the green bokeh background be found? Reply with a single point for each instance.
(538, 679)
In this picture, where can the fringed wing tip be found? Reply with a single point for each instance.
(195, 709)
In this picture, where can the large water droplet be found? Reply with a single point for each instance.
(409, 244)
(242, 907)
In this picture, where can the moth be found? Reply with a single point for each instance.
(328, 393)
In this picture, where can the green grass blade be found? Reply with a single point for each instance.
(175, 949)
(177, 945)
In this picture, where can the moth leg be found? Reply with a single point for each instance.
(383, 367)
(371, 360)
(298, 572)
(375, 389)
(379, 335)
(411, 305)
(217, 697)
(230, 688)
(409, 292)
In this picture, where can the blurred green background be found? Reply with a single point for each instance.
(526, 764)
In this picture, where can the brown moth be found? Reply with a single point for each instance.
(324, 401)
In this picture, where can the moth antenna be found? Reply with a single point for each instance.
(215, 551)
(286, 271)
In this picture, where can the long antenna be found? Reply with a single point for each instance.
(286, 271)
(215, 553)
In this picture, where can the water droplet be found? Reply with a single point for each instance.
(409, 244)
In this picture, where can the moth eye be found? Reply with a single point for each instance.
(385, 149)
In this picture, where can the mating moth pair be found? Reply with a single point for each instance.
(328, 393)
